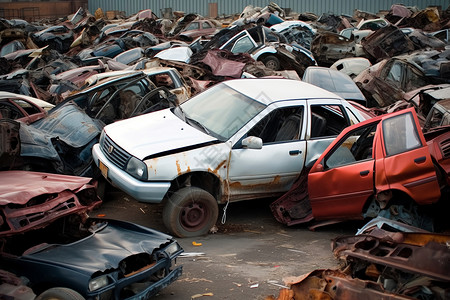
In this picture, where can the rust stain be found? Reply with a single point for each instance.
(219, 166)
(238, 185)
(178, 167)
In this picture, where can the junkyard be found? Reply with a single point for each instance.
(271, 151)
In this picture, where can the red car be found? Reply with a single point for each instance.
(383, 166)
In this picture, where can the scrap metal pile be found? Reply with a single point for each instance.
(384, 260)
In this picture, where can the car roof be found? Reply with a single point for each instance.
(41, 103)
(269, 90)
(102, 77)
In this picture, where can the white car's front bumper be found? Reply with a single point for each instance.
(152, 192)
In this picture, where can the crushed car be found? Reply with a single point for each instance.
(379, 167)
(58, 143)
(387, 81)
(392, 262)
(122, 97)
(217, 140)
(49, 239)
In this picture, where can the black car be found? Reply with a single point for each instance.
(47, 238)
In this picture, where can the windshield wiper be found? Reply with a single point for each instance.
(197, 123)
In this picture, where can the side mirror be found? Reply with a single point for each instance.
(319, 168)
(252, 142)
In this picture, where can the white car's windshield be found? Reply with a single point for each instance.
(220, 111)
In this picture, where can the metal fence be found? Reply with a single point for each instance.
(229, 7)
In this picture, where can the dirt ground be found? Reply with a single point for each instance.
(247, 258)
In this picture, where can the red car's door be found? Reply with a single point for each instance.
(404, 161)
(342, 179)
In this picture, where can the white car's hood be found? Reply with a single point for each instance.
(154, 133)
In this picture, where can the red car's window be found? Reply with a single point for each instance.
(400, 134)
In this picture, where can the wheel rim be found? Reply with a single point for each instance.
(271, 64)
(194, 216)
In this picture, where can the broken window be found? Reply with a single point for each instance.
(327, 120)
(283, 124)
(436, 118)
(357, 146)
(400, 134)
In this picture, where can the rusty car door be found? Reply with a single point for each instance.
(342, 180)
(406, 163)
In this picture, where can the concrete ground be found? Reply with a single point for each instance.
(247, 258)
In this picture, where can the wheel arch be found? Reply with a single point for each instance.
(205, 180)
(385, 197)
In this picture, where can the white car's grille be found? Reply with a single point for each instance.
(114, 153)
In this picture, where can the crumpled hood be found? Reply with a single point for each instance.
(154, 133)
(104, 249)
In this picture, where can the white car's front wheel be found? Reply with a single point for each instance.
(190, 211)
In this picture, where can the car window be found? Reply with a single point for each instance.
(229, 44)
(356, 146)
(436, 118)
(8, 111)
(122, 102)
(414, 80)
(206, 25)
(243, 45)
(192, 26)
(400, 134)
(446, 120)
(30, 109)
(327, 120)
(283, 124)
(395, 74)
(221, 110)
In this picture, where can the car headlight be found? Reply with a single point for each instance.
(172, 249)
(137, 168)
(98, 283)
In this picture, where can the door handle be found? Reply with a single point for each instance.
(364, 173)
(420, 160)
(295, 152)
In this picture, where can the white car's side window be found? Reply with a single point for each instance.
(283, 124)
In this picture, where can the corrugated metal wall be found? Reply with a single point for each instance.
(227, 7)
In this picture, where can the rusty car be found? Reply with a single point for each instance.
(387, 81)
(121, 97)
(22, 108)
(48, 238)
(208, 150)
(387, 261)
(380, 167)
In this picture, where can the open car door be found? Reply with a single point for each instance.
(404, 162)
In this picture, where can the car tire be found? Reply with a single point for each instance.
(60, 293)
(189, 212)
(271, 62)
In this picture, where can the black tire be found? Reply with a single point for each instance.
(271, 62)
(189, 212)
(59, 293)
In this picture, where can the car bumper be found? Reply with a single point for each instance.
(151, 192)
(135, 284)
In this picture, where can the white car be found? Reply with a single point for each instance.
(240, 139)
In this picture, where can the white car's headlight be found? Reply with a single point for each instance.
(98, 283)
(137, 168)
